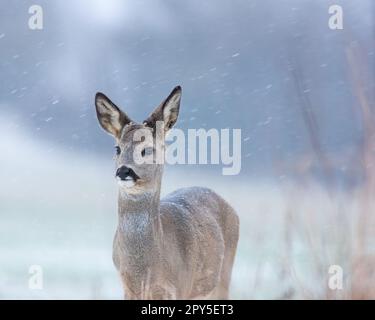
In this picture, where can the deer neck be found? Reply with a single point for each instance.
(147, 204)
(139, 214)
(138, 231)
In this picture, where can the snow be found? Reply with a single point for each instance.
(57, 190)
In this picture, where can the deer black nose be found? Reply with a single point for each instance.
(123, 172)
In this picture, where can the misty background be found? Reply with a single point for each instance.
(272, 68)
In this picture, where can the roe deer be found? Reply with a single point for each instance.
(180, 247)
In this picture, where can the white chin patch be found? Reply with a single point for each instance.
(129, 183)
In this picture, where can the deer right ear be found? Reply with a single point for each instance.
(167, 111)
(110, 117)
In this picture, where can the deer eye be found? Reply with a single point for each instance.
(147, 151)
(118, 150)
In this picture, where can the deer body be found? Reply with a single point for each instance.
(179, 247)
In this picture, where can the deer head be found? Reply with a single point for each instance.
(139, 146)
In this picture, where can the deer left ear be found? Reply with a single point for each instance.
(167, 111)
(110, 117)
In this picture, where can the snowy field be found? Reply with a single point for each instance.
(301, 92)
(58, 210)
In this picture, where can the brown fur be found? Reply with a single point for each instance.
(180, 247)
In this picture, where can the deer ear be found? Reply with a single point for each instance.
(167, 111)
(110, 117)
